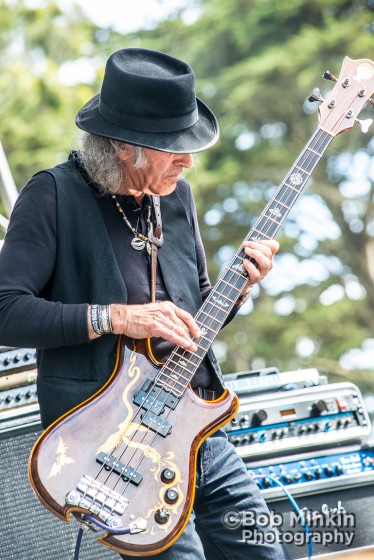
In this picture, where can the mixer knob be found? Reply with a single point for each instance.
(308, 475)
(266, 482)
(287, 478)
(328, 471)
(318, 473)
(328, 425)
(319, 407)
(259, 417)
(339, 470)
(244, 420)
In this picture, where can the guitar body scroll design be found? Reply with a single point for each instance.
(127, 456)
(104, 437)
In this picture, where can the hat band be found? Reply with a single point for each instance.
(146, 124)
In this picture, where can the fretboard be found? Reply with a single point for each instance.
(179, 369)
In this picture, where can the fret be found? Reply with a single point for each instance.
(254, 238)
(217, 307)
(271, 219)
(229, 283)
(311, 162)
(282, 204)
(292, 188)
(174, 378)
(227, 288)
(243, 276)
(219, 300)
(305, 171)
(205, 328)
(184, 362)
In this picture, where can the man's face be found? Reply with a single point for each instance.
(160, 173)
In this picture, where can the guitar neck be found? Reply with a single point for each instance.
(181, 366)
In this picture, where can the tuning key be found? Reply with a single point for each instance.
(315, 96)
(328, 76)
(364, 125)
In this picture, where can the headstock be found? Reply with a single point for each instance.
(354, 88)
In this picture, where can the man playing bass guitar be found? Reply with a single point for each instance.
(107, 244)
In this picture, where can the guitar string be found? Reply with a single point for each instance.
(263, 214)
(319, 135)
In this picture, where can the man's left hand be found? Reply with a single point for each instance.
(261, 253)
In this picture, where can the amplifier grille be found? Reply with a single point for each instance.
(28, 530)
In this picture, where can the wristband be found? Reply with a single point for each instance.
(101, 319)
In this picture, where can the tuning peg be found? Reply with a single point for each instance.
(328, 76)
(315, 96)
(364, 125)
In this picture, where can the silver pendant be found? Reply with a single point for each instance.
(137, 244)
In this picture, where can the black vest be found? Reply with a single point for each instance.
(86, 271)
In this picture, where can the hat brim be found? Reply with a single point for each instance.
(203, 134)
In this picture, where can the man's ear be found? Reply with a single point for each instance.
(124, 151)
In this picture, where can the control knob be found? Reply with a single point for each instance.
(259, 417)
(319, 407)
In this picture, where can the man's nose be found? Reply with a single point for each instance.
(186, 160)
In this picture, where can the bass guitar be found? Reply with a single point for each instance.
(125, 459)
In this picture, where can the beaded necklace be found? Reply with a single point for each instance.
(139, 241)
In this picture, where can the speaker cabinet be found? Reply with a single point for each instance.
(344, 517)
(28, 530)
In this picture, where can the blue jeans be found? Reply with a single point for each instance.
(223, 490)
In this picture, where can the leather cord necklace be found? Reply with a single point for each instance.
(139, 241)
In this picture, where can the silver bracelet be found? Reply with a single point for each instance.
(101, 319)
(95, 320)
(105, 319)
(245, 297)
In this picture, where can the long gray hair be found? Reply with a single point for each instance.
(99, 156)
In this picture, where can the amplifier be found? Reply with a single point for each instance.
(335, 495)
(318, 471)
(313, 418)
(246, 383)
(16, 359)
(28, 530)
(18, 397)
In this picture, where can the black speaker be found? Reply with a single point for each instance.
(28, 530)
(340, 521)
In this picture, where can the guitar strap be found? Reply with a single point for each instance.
(156, 240)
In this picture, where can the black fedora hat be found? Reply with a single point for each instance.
(148, 99)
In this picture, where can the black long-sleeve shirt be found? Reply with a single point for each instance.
(27, 317)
